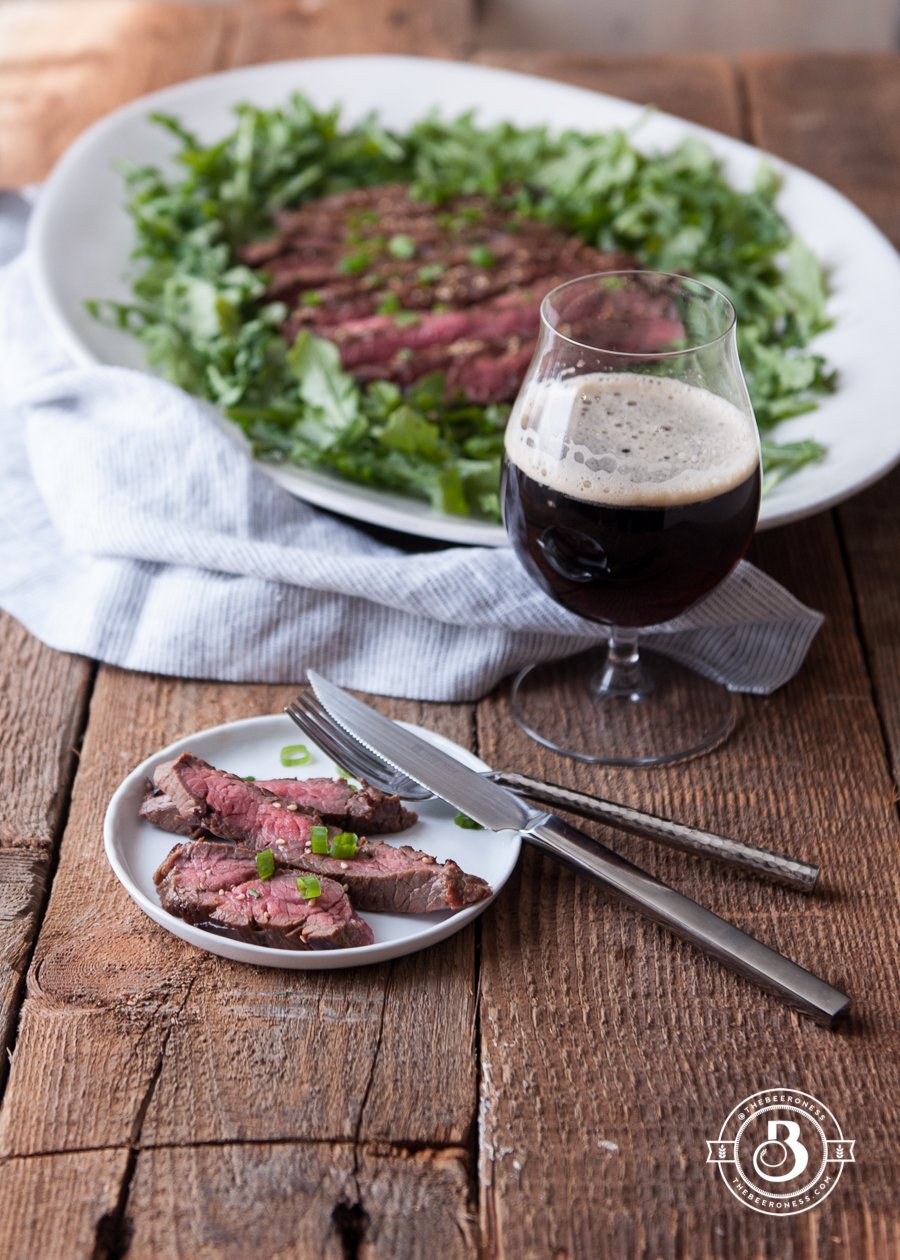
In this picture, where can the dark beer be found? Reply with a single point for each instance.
(634, 500)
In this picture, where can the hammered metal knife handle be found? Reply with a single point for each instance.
(775, 867)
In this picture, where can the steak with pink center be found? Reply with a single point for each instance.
(193, 876)
(397, 879)
(216, 887)
(234, 809)
(380, 877)
(275, 912)
(364, 809)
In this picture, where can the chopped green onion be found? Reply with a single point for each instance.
(430, 272)
(481, 256)
(249, 778)
(318, 837)
(265, 864)
(345, 774)
(389, 304)
(311, 298)
(309, 887)
(463, 820)
(401, 246)
(295, 755)
(407, 319)
(344, 845)
(351, 264)
(254, 892)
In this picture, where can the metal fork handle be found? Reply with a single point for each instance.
(691, 921)
(776, 867)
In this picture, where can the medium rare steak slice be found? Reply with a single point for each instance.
(193, 876)
(397, 879)
(365, 810)
(195, 883)
(234, 809)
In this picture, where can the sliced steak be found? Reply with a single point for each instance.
(193, 876)
(271, 912)
(380, 877)
(397, 879)
(234, 809)
(365, 810)
(355, 266)
(158, 809)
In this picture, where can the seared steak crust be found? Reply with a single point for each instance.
(467, 284)
(216, 887)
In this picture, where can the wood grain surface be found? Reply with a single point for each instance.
(543, 1084)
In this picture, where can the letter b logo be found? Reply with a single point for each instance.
(774, 1152)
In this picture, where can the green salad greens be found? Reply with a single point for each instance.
(206, 326)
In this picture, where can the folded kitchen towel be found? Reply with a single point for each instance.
(134, 529)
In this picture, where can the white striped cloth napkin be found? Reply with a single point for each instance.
(134, 530)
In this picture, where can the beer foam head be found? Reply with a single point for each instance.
(641, 441)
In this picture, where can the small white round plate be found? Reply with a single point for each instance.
(81, 238)
(253, 746)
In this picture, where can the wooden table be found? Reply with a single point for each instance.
(541, 1085)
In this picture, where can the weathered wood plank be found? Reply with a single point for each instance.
(642, 1046)
(700, 88)
(65, 67)
(128, 1033)
(42, 700)
(836, 114)
(60, 1205)
(319, 1202)
(43, 695)
(644, 27)
(792, 110)
(277, 29)
(871, 530)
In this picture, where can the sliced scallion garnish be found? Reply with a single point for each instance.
(318, 838)
(308, 886)
(344, 845)
(295, 755)
(402, 246)
(265, 864)
(463, 820)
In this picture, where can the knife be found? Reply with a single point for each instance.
(498, 809)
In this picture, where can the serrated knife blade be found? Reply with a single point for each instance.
(495, 807)
(499, 809)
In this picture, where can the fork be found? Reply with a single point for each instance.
(351, 755)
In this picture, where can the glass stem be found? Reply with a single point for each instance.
(622, 676)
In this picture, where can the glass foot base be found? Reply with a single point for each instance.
(677, 715)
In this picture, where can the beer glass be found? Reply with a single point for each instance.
(631, 486)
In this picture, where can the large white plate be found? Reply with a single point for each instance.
(135, 848)
(80, 241)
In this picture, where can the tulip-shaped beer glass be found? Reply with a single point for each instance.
(630, 489)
